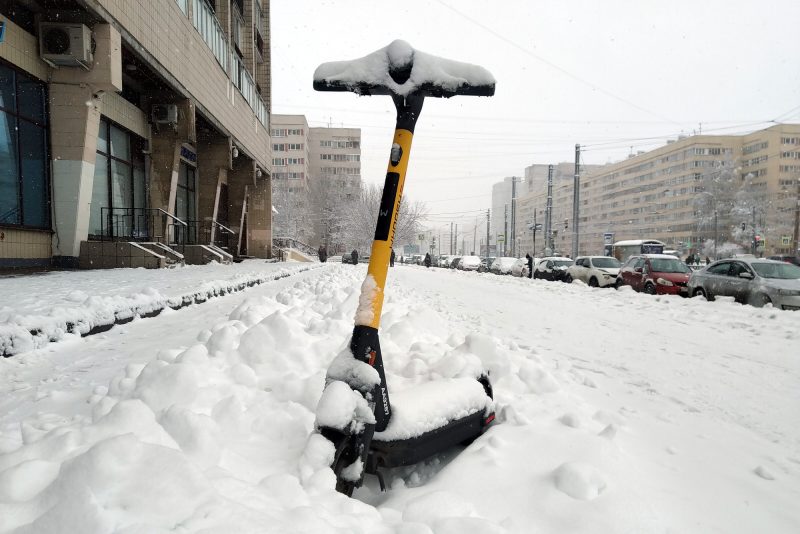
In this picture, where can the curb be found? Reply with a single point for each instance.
(17, 339)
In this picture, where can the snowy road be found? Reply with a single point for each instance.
(617, 412)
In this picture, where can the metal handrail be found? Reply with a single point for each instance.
(223, 227)
(171, 216)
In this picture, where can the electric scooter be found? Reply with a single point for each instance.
(369, 436)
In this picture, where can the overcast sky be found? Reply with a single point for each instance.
(608, 74)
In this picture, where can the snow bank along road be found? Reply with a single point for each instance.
(51, 306)
(617, 412)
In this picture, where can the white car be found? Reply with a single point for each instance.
(502, 265)
(469, 263)
(520, 267)
(596, 271)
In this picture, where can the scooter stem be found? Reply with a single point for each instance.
(364, 344)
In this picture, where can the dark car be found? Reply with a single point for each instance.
(454, 262)
(752, 281)
(347, 257)
(656, 274)
(794, 260)
(552, 268)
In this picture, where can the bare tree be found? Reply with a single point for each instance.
(359, 223)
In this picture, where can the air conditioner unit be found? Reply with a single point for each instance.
(65, 44)
(165, 114)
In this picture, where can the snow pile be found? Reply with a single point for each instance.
(373, 69)
(83, 315)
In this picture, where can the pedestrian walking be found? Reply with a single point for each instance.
(530, 265)
(354, 257)
(323, 254)
(427, 260)
(391, 259)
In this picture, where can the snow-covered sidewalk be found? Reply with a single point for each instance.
(42, 308)
(616, 412)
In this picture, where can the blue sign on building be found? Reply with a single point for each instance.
(2, 30)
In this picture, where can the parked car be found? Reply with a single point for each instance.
(750, 281)
(502, 265)
(656, 274)
(794, 260)
(469, 263)
(552, 268)
(454, 262)
(347, 257)
(486, 264)
(520, 267)
(596, 271)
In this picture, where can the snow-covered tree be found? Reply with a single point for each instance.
(359, 224)
(723, 202)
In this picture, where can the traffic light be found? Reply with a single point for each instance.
(566, 224)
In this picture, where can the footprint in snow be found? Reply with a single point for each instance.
(764, 473)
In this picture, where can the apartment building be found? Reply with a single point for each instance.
(335, 167)
(134, 132)
(316, 172)
(290, 178)
(669, 194)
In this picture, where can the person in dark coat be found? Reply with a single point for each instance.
(391, 259)
(530, 265)
(354, 257)
(427, 260)
(323, 254)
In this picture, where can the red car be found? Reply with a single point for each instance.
(656, 274)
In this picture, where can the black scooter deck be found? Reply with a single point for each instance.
(396, 453)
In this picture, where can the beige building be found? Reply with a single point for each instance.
(290, 178)
(316, 172)
(668, 194)
(145, 127)
(335, 167)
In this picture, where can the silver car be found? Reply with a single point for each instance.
(752, 281)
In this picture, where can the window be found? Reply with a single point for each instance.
(720, 269)
(184, 5)
(119, 192)
(185, 198)
(24, 178)
(206, 23)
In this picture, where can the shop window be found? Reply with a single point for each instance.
(24, 179)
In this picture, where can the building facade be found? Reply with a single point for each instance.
(335, 167)
(290, 178)
(125, 123)
(317, 172)
(691, 193)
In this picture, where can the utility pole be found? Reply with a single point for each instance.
(505, 228)
(488, 218)
(475, 235)
(548, 214)
(533, 253)
(513, 215)
(576, 200)
(455, 239)
(754, 231)
(451, 238)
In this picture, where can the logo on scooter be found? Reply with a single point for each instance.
(385, 401)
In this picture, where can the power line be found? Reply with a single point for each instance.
(554, 66)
